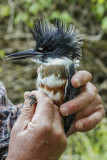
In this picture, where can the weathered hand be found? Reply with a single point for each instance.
(37, 135)
(87, 106)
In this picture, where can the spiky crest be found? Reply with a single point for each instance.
(58, 35)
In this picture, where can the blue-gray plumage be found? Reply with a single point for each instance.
(57, 48)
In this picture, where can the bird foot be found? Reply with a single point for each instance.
(33, 101)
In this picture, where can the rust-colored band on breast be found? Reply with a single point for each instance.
(59, 71)
(55, 92)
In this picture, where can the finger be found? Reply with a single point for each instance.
(81, 78)
(26, 94)
(81, 101)
(58, 127)
(26, 113)
(44, 110)
(90, 122)
(57, 120)
(91, 108)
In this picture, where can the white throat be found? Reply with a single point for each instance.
(58, 61)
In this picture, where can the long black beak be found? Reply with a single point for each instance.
(24, 54)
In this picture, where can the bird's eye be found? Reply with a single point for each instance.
(49, 49)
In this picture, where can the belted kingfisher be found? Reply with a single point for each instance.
(58, 49)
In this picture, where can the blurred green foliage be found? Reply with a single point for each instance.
(24, 11)
(4, 11)
(88, 146)
(2, 55)
(92, 145)
(99, 8)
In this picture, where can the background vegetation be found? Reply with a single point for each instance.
(90, 17)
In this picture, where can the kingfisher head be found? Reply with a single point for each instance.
(53, 41)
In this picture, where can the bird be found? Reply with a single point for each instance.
(58, 51)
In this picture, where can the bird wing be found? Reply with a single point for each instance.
(71, 93)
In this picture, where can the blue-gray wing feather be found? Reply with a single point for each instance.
(71, 93)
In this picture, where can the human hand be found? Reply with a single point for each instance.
(87, 106)
(37, 135)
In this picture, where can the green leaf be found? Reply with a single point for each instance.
(100, 9)
(25, 17)
(4, 10)
(21, 17)
(104, 24)
(30, 23)
(18, 18)
(65, 16)
(34, 8)
(55, 14)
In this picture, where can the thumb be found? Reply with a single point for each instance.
(27, 112)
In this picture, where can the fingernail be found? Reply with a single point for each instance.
(77, 82)
(26, 94)
(64, 111)
(80, 125)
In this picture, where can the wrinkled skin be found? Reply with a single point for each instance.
(38, 136)
(41, 136)
(87, 106)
